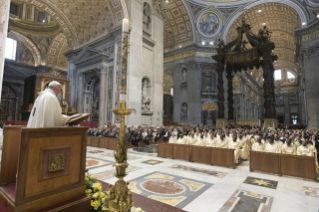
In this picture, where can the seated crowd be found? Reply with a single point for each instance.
(284, 141)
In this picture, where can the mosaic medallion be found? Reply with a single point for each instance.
(95, 151)
(152, 162)
(163, 187)
(95, 163)
(208, 24)
(313, 192)
(261, 182)
(242, 201)
(167, 188)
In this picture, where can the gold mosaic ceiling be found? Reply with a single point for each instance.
(282, 21)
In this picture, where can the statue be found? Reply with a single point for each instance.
(146, 17)
(220, 45)
(146, 101)
(184, 110)
(264, 34)
(184, 76)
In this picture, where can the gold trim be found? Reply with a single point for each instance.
(24, 27)
(179, 56)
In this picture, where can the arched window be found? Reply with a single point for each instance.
(290, 75)
(11, 49)
(277, 75)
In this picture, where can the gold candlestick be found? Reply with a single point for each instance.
(119, 199)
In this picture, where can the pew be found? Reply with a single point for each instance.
(283, 164)
(89, 140)
(112, 143)
(165, 150)
(223, 157)
(103, 142)
(95, 141)
(201, 154)
(182, 152)
(44, 168)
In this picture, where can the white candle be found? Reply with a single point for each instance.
(126, 25)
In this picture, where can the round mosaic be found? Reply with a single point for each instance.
(163, 187)
(209, 24)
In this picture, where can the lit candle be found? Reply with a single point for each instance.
(126, 25)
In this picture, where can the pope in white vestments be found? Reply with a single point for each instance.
(46, 111)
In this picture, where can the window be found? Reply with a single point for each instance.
(14, 9)
(290, 75)
(172, 91)
(42, 17)
(294, 119)
(277, 74)
(11, 49)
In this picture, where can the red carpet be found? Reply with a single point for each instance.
(147, 204)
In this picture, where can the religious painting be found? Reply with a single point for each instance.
(209, 24)
(42, 42)
(96, 101)
(25, 55)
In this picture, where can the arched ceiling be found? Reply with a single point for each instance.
(281, 20)
(178, 26)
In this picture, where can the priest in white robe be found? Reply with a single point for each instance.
(46, 111)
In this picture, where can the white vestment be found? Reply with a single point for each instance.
(46, 111)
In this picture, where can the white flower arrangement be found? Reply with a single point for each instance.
(139, 210)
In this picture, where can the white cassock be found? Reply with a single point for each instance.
(46, 111)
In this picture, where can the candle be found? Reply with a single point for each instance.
(126, 25)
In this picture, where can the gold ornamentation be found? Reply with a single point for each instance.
(311, 36)
(56, 162)
(179, 56)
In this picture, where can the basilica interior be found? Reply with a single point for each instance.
(219, 68)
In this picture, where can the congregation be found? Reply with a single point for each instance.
(285, 140)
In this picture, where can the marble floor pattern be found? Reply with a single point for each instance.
(227, 190)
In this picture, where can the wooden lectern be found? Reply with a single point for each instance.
(43, 169)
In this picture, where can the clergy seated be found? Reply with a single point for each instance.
(244, 147)
(210, 141)
(200, 141)
(289, 148)
(223, 142)
(307, 149)
(258, 145)
(172, 139)
(278, 142)
(181, 140)
(46, 111)
(271, 146)
(233, 144)
(191, 139)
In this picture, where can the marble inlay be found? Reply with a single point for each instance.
(261, 182)
(170, 189)
(194, 186)
(129, 157)
(245, 201)
(132, 187)
(152, 162)
(92, 163)
(95, 151)
(168, 200)
(108, 174)
(313, 192)
(199, 170)
(162, 186)
(147, 149)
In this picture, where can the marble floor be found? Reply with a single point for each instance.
(198, 187)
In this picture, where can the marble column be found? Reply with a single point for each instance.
(255, 108)
(249, 116)
(242, 100)
(230, 97)
(32, 13)
(72, 78)
(24, 10)
(80, 93)
(4, 20)
(134, 75)
(220, 96)
(103, 86)
(158, 67)
(286, 109)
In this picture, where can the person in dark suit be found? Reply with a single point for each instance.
(315, 143)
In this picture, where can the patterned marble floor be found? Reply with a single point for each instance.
(198, 187)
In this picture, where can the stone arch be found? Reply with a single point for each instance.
(54, 50)
(29, 44)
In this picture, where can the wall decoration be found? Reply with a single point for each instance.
(42, 42)
(25, 55)
(209, 24)
(96, 101)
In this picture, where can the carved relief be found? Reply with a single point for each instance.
(56, 162)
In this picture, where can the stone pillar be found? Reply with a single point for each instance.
(103, 86)
(24, 10)
(194, 107)
(72, 78)
(230, 96)
(16, 117)
(286, 109)
(256, 106)
(249, 115)
(80, 93)
(220, 86)
(4, 20)
(242, 100)
(134, 75)
(32, 13)
(158, 69)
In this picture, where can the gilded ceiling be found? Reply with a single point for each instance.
(281, 20)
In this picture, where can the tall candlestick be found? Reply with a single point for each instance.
(126, 25)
